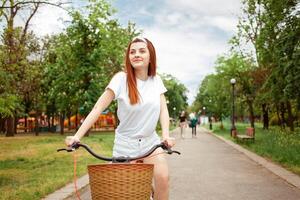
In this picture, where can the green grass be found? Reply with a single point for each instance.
(30, 167)
(282, 147)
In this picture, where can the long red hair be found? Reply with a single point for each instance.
(131, 79)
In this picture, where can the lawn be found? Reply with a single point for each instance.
(282, 147)
(30, 167)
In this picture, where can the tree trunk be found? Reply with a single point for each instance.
(25, 124)
(282, 112)
(290, 121)
(278, 116)
(10, 127)
(52, 123)
(37, 126)
(16, 124)
(69, 121)
(251, 113)
(76, 121)
(221, 125)
(48, 122)
(2, 125)
(265, 116)
(62, 126)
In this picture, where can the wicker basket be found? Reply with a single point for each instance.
(120, 181)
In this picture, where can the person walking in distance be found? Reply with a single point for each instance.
(193, 123)
(182, 123)
(139, 92)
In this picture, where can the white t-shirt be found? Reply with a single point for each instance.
(137, 122)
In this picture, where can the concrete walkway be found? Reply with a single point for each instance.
(211, 168)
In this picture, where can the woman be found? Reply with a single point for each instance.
(141, 102)
(182, 123)
(193, 121)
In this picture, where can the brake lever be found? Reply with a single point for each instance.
(176, 152)
(169, 150)
(73, 147)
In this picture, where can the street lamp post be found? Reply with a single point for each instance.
(174, 108)
(209, 116)
(233, 128)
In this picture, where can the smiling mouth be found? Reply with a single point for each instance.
(137, 60)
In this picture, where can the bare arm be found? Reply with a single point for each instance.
(165, 121)
(102, 103)
(164, 117)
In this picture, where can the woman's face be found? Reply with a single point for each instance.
(139, 55)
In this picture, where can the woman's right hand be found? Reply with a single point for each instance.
(70, 140)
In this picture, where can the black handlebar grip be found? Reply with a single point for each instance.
(58, 150)
(64, 149)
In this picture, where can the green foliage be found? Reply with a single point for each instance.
(20, 71)
(83, 60)
(269, 73)
(175, 96)
(214, 95)
(288, 51)
(8, 103)
(60, 74)
(215, 91)
(274, 120)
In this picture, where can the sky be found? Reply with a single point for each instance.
(188, 35)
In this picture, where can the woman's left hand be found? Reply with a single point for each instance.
(169, 141)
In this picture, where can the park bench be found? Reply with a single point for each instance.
(248, 136)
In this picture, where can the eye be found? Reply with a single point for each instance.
(143, 51)
(132, 52)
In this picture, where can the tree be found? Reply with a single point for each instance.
(213, 95)
(240, 68)
(84, 58)
(262, 25)
(176, 94)
(14, 46)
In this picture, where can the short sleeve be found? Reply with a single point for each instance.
(161, 87)
(116, 83)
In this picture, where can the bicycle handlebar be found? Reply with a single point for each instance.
(122, 158)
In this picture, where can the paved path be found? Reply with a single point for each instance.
(211, 169)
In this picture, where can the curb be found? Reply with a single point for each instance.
(68, 190)
(286, 175)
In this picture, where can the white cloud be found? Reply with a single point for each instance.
(227, 24)
(205, 7)
(45, 22)
(187, 58)
(189, 35)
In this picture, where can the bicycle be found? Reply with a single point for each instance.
(121, 179)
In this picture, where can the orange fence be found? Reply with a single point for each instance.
(106, 121)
